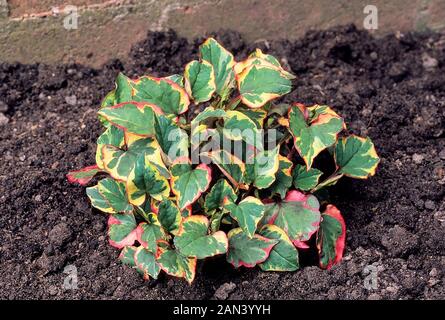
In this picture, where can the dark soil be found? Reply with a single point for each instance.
(392, 89)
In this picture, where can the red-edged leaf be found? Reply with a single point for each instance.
(83, 176)
(122, 230)
(248, 251)
(298, 215)
(331, 237)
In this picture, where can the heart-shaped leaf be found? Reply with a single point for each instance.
(173, 141)
(220, 191)
(114, 193)
(262, 168)
(98, 201)
(169, 216)
(177, 265)
(331, 237)
(222, 62)
(256, 115)
(284, 255)
(83, 176)
(187, 183)
(119, 163)
(134, 117)
(146, 263)
(305, 179)
(260, 81)
(146, 178)
(314, 129)
(122, 230)
(356, 157)
(248, 252)
(112, 136)
(247, 213)
(199, 80)
(127, 256)
(148, 234)
(283, 177)
(231, 166)
(194, 241)
(170, 97)
(298, 215)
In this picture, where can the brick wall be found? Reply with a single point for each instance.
(33, 31)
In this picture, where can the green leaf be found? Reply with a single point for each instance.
(256, 115)
(284, 256)
(187, 183)
(222, 62)
(298, 215)
(215, 198)
(272, 60)
(173, 141)
(169, 216)
(176, 78)
(208, 113)
(127, 256)
(331, 237)
(194, 241)
(122, 230)
(170, 97)
(238, 126)
(146, 263)
(283, 177)
(314, 129)
(247, 213)
(114, 193)
(232, 167)
(146, 178)
(98, 201)
(248, 252)
(260, 81)
(150, 233)
(262, 168)
(119, 163)
(133, 117)
(306, 179)
(84, 175)
(356, 157)
(112, 136)
(199, 80)
(175, 264)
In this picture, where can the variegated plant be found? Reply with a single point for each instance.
(204, 164)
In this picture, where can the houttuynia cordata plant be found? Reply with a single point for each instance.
(204, 164)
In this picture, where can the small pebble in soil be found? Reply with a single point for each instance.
(440, 216)
(398, 71)
(52, 290)
(430, 205)
(417, 158)
(3, 107)
(429, 62)
(442, 154)
(223, 292)
(71, 100)
(3, 119)
(60, 234)
(38, 198)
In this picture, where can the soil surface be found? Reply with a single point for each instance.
(392, 89)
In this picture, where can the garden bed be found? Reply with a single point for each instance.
(392, 89)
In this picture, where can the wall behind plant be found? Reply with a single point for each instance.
(93, 31)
